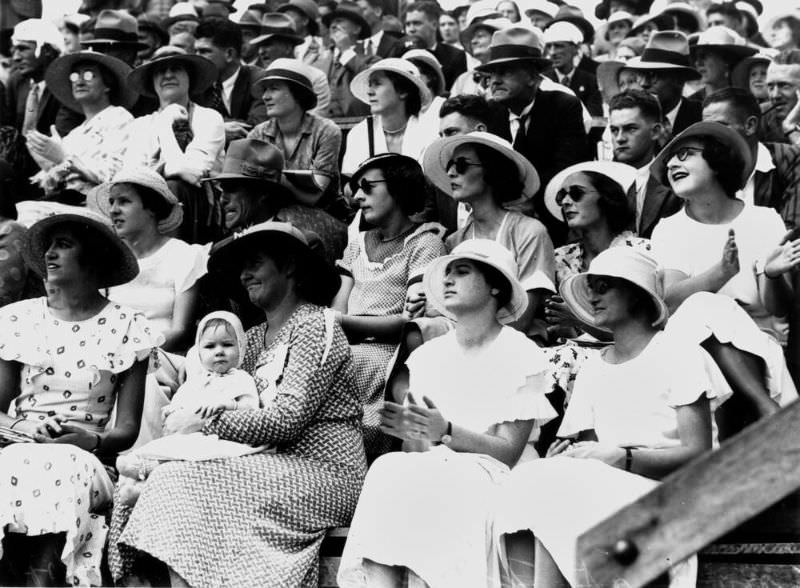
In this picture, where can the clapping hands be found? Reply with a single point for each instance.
(413, 421)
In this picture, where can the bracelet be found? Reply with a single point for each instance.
(97, 445)
(628, 458)
(15, 423)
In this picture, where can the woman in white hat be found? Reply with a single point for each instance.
(722, 255)
(95, 85)
(396, 95)
(715, 53)
(633, 417)
(474, 397)
(66, 361)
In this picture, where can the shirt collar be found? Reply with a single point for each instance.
(764, 162)
(673, 114)
(525, 112)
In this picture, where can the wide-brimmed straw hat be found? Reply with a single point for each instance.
(740, 74)
(291, 71)
(485, 251)
(724, 134)
(115, 28)
(621, 173)
(517, 44)
(424, 56)
(120, 265)
(202, 73)
(723, 40)
(666, 51)
(351, 12)
(440, 152)
(621, 262)
(146, 178)
(359, 86)
(275, 25)
(58, 82)
(541, 6)
(321, 280)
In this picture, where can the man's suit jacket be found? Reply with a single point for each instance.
(343, 103)
(51, 111)
(555, 139)
(585, 87)
(779, 188)
(659, 202)
(689, 113)
(244, 106)
(453, 60)
(383, 49)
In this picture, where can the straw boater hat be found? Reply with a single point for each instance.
(359, 87)
(115, 28)
(424, 56)
(275, 25)
(307, 7)
(485, 251)
(516, 45)
(621, 173)
(441, 151)
(666, 51)
(226, 256)
(724, 41)
(39, 31)
(291, 71)
(350, 11)
(722, 133)
(563, 32)
(202, 73)
(617, 262)
(574, 15)
(146, 178)
(57, 78)
(121, 266)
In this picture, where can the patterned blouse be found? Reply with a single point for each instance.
(570, 259)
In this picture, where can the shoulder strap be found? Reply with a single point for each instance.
(371, 135)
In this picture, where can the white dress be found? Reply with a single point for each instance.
(430, 511)
(633, 404)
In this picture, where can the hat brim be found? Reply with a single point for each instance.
(734, 51)
(722, 133)
(202, 73)
(359, 86)
(114, 42)
(312, 26)
(171, 20)
(441, 151)
(575, 292)
(121, 271)
(586, 28)
(57, 78)
(99, 197)
(433, 282)
(541, 62)
(689, 73)
(257, 89)
(261, 39)
(621, 173)
(277, 188)
(350, 15)
(226, 257)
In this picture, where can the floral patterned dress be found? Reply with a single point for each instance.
(69, 369)
(259, 520)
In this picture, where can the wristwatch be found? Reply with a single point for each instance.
(447, 438)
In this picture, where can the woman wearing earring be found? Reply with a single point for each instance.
(396, 94)
(377, 266)
(475, 394)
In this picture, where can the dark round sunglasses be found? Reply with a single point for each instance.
(461, 164)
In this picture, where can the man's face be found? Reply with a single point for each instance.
(456, 123)
(220, 57)
(417, 23)
(716, 19)
(724, 113)
(667, 86)
(24, 59)
(783, 82)
(511, 83)
(632, 135)
(561, 54)
(344, 26)
(273, 49)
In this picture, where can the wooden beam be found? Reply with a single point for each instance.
(695, 505)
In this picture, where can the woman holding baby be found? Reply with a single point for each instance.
(198, 518)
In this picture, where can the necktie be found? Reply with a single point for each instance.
(31, 109)
(519, 137)
(217, 102)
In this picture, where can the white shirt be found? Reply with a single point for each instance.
(513, 120)
(642, 176)
(673, 114)
(764, 164)
(227, 88)
(371, 44)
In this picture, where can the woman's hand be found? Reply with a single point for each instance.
(45, 147)
(75, 435)
(415, 302)
(172, 113)
(557, 312)
(182, 421)
(210, 410)
(609, 454)
(730, 256)
(414, 421)
(558, 447)
(50, 427)
(784, 258)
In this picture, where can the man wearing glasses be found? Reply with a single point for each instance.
(663, 69)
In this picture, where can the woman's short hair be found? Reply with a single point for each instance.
(407, 87)
(724, 160)
(613, 203)
(95, 253)
(406, 183)
(496, 279)
(643, 303)
(153, 201)
(305, 99)
(500, 173)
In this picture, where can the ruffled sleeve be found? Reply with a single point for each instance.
(693, 379)
(188, 263)
(133, 340)
(20, 326)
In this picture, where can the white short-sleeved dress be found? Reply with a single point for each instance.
(69, 369)
(632, 404)
(431, 511)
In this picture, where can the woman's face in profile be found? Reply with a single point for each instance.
(278, 99)
(465, 287)
(466, 174)
(382, 94)
(611, 300)
(579, 202)
(171, 84)
(63, 257)
(265, 284)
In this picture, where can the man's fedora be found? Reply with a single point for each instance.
(275, 25)
(724, 41)
(666, 51)
(515, 45)
(115, 27)
(250, 19)
(307, 7)
(351, 12)
(256, 161)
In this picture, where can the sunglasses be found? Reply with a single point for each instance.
(86, 76)
(461, 164)
(601, 285)
(683, 153)
(367, 185)
(576, 194)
